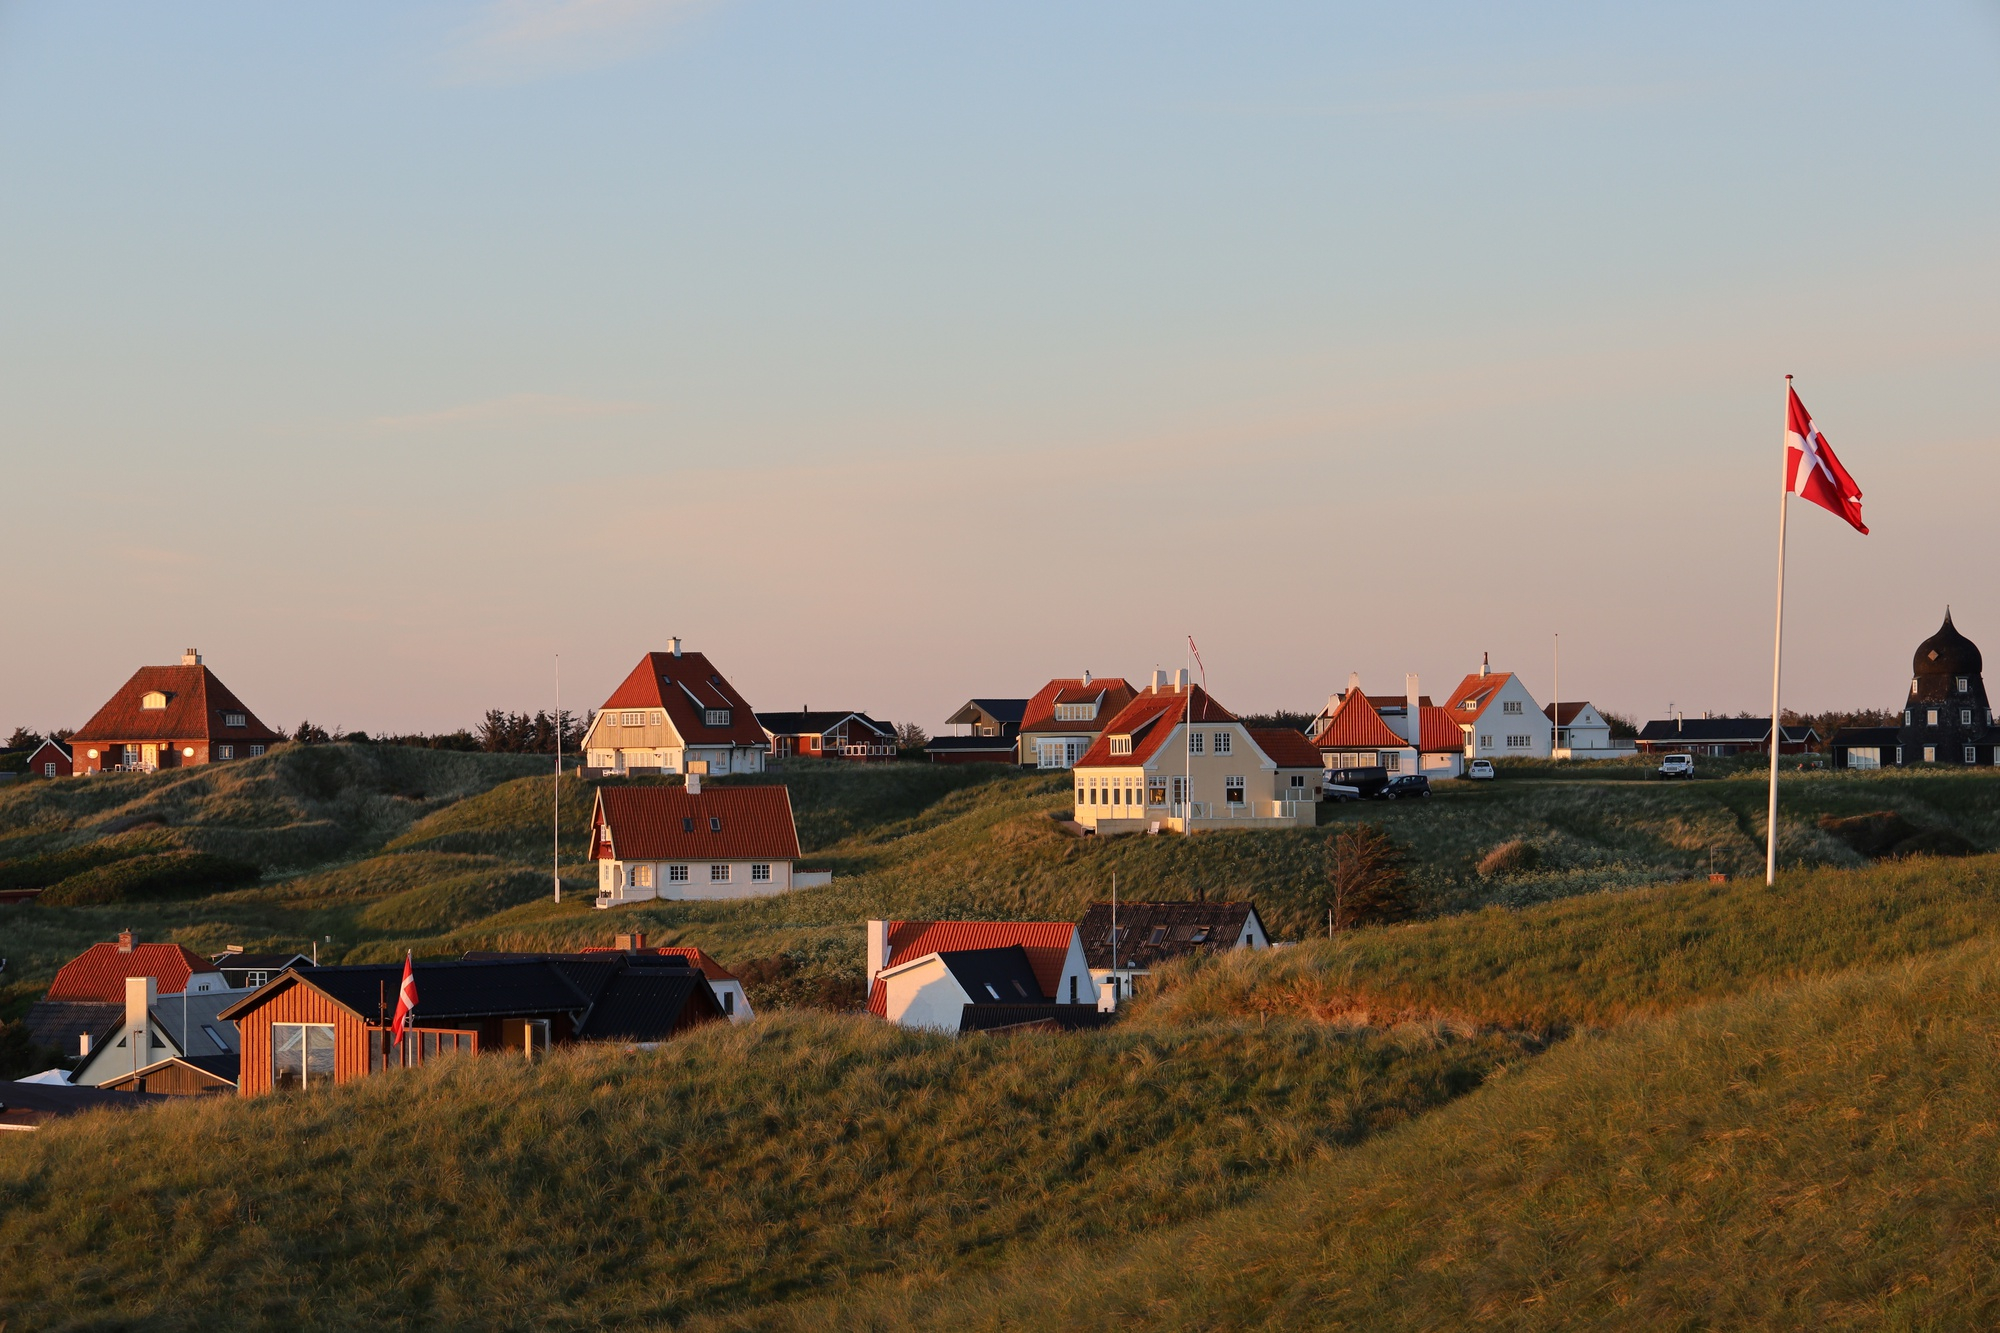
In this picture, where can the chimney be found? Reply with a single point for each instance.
(1086, 675)
(693, 783)
(234, 948)
(1181, 680)
(1353, 683)
(126, 939)
(1677, 720)
(1414, 732)
(631, 943)
(675, 642)
(1485, 664)
(878, 948)
(1107, 995)
(190, 658)
(83, 1046)
(1159, 680)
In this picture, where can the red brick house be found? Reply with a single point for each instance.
(169, 717)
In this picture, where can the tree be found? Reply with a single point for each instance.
(910, 736)
(308, 734)
(1365, 883)
(23, 739)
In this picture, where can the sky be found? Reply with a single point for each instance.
(893, 354)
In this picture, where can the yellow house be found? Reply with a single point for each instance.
(1174, 759)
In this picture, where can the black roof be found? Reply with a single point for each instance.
(1002, 710)
(1866, 736)
(259, 962)
(1946, 653)
(1718, 730)
(63, 1099)
(1152, 933)
(58, 1023)
(998, 1017)
(816, 723)
(995, 976)
(646, 1003)
(948, 744)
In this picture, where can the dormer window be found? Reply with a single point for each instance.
(1076, 712)
(1963, 684)
(152, 699)
(716, 717)
(235, 720)
(1121, 745)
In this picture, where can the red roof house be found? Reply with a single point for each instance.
(1052, 950)
(1498, 717)
(88, 992)
(674, 714)
(693, 841)
(728, 987)
(1066, 715)
(51, 759)
(167, 717)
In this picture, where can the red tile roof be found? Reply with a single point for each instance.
(99, 972)
(1045, 942)
(685, 687)
(1286, 748)
(721, 824)
(196, 701)
(1355, 725)
(1150, 720)
(1040, 714)
(1440, 732)
(711, 969)
(1479, 690)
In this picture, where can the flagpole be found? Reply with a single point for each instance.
(555, 855)
(1777, 661)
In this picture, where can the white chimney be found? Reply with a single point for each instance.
(1485, 664)
(1086, 675)
(1107, 995)
(878, 948)
(1414, 733)
(141, 994)
(675, 644)
(1353, 682)
(83, 1045)
(1159, 680)
(1181, 680)
(694, 782)
(190, 658)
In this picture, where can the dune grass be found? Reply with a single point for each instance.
(734, 1167)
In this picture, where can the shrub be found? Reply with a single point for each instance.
(1885, 833)
(1365, 882)
(161, 875)
(20, 1056)
(1513, 857)
(39, 872)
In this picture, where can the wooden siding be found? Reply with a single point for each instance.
(299, 1003)
(176, 1080)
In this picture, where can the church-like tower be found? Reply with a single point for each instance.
(1946, 719)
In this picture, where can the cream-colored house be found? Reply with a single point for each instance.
(673, 711)
(1176, 759)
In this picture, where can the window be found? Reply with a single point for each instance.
(656, 718)
(1076, 712)
(1913, 687)
(152, 699)
(1072, 990)
(1392, 761)
(1194, 742)
(1121, 745)
(1906, 717)
(990, 991)
(631, 719)
(715, 823)
(225, 752)
(1930, 717)
(235, 720)
(1519, 742)
(1159, 936)
(1930, 754)
(1298, 779)
(301, 1055)
(1510, 706)
(642, 876)
(728, 1003)
(49, 769)
(1962, 684)
(215, 1037)
(1971, 754)
(1965, 717)
(1232, 790)
(1222, 742)
(760, 874)
(1485, 742)
(1156, 791)
(255, 979)
(718, 874)
(677, 874)
(256, 750)
(716, 717)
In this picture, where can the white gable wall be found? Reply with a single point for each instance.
(1521, 731)
(923, 993)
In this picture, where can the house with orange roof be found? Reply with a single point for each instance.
(1065, 716)
(728, 987)
(1175, 759)
(88, 995)
(1361, 730)
(169, 717)
(1500, 719)
(674, 714)
(940, 974)
(692, 842)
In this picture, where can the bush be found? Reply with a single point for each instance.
(162, 875)
(1365, 880)
(39, 872)
(20, 1056)
(1885, 833)
(1513, 857)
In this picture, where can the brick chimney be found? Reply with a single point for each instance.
(126, 939)
(631, 943)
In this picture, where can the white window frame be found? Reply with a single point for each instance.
(657, 718)
(1222, 742)
(677, 874)
(235, 720)
(1194, 742)
(1510, 706)
(718, 873)
(1972, 754)
(1237, 785)
(1930, 717)
(634, 718)
(715, 717)
(1121, 745)
(760, 873)
(256, 750)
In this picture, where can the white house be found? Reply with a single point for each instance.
(1584, 733)
(692, 843)
(674, 714)
(924, 973)
(159, 1027)
(1126, 942)
(1499, 718)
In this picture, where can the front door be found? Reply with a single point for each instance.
(149, 757)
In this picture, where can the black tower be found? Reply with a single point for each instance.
(1946, 719)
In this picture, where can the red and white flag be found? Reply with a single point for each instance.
(406, 997)
(1811, 470)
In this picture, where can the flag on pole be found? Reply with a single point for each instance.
(1197, 661)
(406, 997)
(1811, 470)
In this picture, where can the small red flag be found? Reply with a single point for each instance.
(1811, 470)
(406, 997)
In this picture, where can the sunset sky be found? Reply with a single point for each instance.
(893, 354)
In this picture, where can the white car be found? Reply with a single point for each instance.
(1479, 768)
(1677, 766)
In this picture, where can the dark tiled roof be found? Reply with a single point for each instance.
(1286, 748)
(1045, 942)
(1718, 731)
(1219, 924)
(259, 962)
(1569, 712)
(41, 1101)
(196, 702)
(684, 687)
(452, 990)
(1003, 1017)
(1866, 736)
(99, 972)
(648, 1003)
(719, 824)
(1004, 710)
(968, 744)
(995, 976)
(819, 723)
(57, 1024)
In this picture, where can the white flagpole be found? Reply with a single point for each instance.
(555, 855)
(1777, 660)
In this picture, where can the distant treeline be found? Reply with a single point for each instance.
(500, 732)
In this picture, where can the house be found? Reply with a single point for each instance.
(928, 973)
(1175, 759)
(1584, 733)
(87, 997)
(1148, 934)
(675, 710)
(29, 1106)
(1721, 736)
(153, 1029)
(1498, 716)
(169, 717)
(183, 1076)
(248, 971)
(692, 842)
(1360, 730)
(989, 733)
(1062, 719)
(308, 1028)
(852, 736)
(728, 987)
(50, 759)
(1946, 716)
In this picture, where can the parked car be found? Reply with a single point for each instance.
(1479, 768)
(1677, 766)
(1408, 787)
(1356, 784)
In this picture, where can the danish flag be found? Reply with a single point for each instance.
(406, 997)
(1811, 470)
